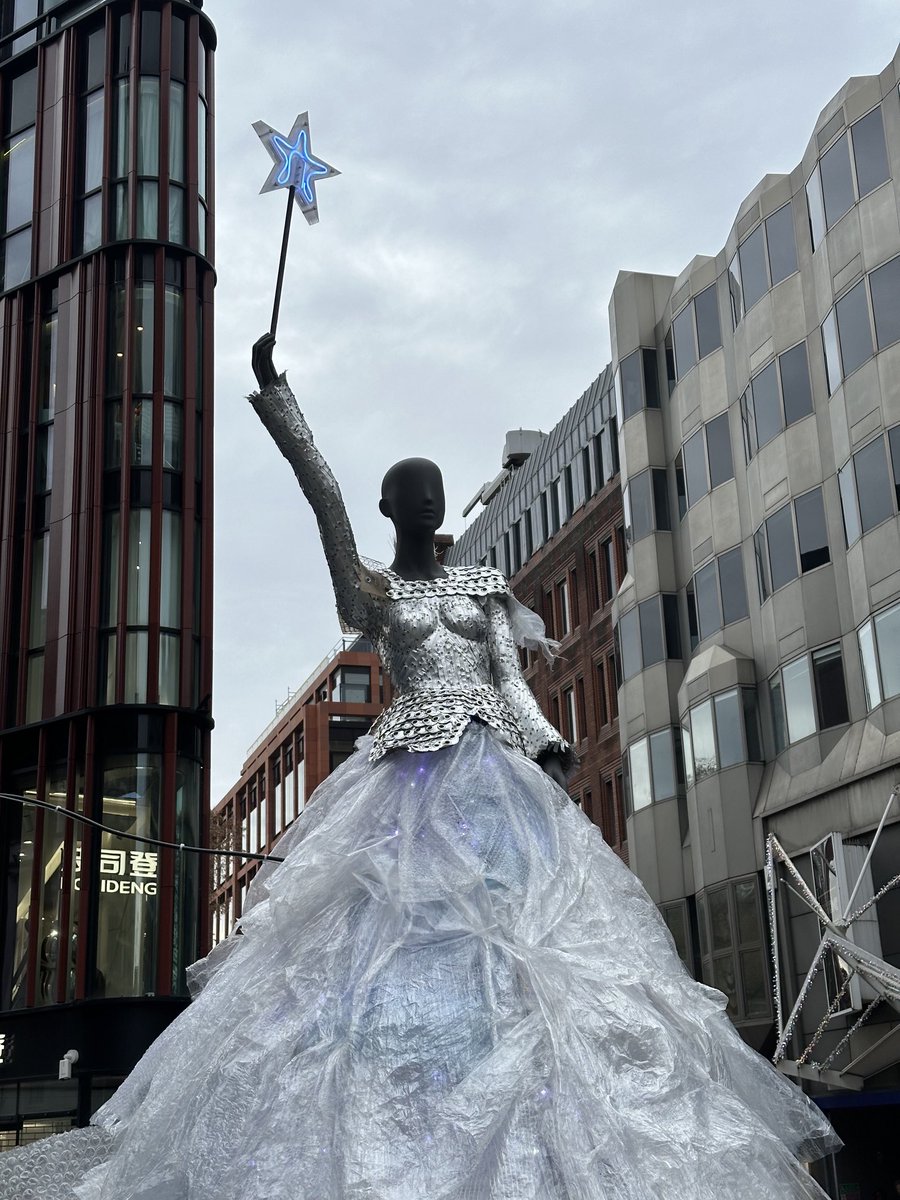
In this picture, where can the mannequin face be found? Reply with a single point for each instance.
(412, 496)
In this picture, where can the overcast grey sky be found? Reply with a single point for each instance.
(501, 162)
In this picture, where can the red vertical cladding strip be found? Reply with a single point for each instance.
(169, 863)
(189, 687)
(85, 945)
(34, 909)
(156, 580)
(87, 498)
(210, 155)
(206, 282)
(26, 404)
(64, 953)
(125, 490)
(206, 860)
(7, 499)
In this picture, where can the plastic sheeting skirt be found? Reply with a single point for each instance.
(450, 990)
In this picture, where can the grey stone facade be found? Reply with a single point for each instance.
(761, 471)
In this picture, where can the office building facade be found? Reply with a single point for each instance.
(759, 404)
(106, 301)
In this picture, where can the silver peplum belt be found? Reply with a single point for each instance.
(433, 717)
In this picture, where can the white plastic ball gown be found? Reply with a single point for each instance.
(451, 988)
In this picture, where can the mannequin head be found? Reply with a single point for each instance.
(412, 496)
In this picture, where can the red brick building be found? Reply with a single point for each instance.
(313, 732)
(553, 522)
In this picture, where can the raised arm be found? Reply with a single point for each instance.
(278, 410)
(542, 741)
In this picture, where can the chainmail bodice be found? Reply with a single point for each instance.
(446, 643)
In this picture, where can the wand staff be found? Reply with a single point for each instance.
(296, 168)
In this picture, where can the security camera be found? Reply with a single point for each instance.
(66, 1063)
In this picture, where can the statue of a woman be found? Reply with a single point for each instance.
(450, 989)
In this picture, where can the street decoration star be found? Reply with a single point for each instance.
(294, 164)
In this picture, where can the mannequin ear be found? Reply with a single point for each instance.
(384, 507)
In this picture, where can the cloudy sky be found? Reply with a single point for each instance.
(501, 161)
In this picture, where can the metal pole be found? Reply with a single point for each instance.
(284, 248)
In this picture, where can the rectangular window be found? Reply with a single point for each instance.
(662, 763)
(735, 292)
(815, 207)
(684, 343)
(887, 637)
(869, 152)
(754, 276)
(732, 585)
(630, 385)
(885, 285)
(798, 699)
(869, 665)
(572, 730)
(760, 553)
(812, 534)
(854, 329)
(707, 598)
(837, 180)
(832, 354)
(782, 553)
(718, 447)
(831, 694)
(709, 334)
(640, 504)
(781, 245)
(849, 508)
(694, 455)
(639, 775)
(766, 404)
(796, 392)
(653, 648)
(630, 644)
(874, 488)
(703, 739)
(563, 608)
(670, 625)
(729, 738)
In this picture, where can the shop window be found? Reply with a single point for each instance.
(125, 877)
(851, 168)
(808, 694)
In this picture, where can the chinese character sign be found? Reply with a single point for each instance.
(127, 872)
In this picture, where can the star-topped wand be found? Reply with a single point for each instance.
(297, 169)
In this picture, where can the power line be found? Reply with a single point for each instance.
(134, 837)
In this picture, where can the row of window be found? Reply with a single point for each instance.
(791, 542)
(865, 319)
(777, 396)
(851, 168)
(808, 694)
(599, 463)
(648, 634)
(721, 732)
(141, 156)
(717, 595)
(762, 260)
(704, 461)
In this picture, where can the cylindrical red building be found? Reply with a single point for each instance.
(106, 302)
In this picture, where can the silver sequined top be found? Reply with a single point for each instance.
(446, 643)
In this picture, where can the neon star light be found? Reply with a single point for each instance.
(294, 164)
